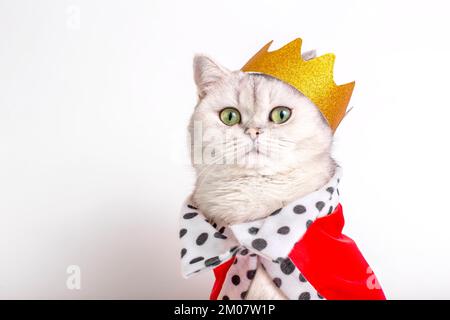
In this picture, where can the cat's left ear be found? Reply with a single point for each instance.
(206, 73)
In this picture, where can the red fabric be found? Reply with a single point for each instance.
(220, 273)
(330, 261)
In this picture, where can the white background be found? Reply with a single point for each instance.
(95, 97)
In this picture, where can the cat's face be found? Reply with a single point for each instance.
(253, 122)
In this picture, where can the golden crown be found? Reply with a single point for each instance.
(313, 78)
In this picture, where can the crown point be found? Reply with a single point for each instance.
(267, 46)
(295, 45)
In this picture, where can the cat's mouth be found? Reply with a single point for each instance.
(257, 150)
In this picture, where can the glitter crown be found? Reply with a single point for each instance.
(313, 78)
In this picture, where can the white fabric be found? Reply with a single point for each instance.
(266, 241)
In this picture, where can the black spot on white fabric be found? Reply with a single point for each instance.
(222, 230)
(183, 252)
(287, 267)
(190, 206)
(304, 296)
(308, 223)
(259, 244)
(330, 190)
(253, 230)
(214, 261)
(182, 232)
(320, 205)
(243, 295)
(337, 190)
(234, 249)
(236, 280)
(253, 254)
(195, 260)
(284, 230)
(225, 298)
(201, 239)
(299, 209)
(251, 274)
(276, 212)
(214, 225)
(244, 252)
(190, 215)
(330, 210)
(278, 260)
(218, 235)
(277, 282)
(235, 261)
(301, 278)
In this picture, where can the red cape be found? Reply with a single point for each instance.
(330, 261)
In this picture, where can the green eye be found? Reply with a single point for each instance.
(230, 116)
(280, 114)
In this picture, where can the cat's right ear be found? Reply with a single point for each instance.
(308, 55)
(206, 73)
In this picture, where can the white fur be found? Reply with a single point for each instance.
(285, 162)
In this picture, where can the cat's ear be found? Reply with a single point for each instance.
(308, 55)
(206, 73)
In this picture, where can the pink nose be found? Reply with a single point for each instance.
(253, 132)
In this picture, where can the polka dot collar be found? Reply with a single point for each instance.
(266, 242)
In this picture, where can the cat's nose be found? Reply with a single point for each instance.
(253, 132)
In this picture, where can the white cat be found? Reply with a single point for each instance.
(273, 161)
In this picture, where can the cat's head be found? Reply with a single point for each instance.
(253, 122)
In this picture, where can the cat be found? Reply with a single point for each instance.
(271, 163)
